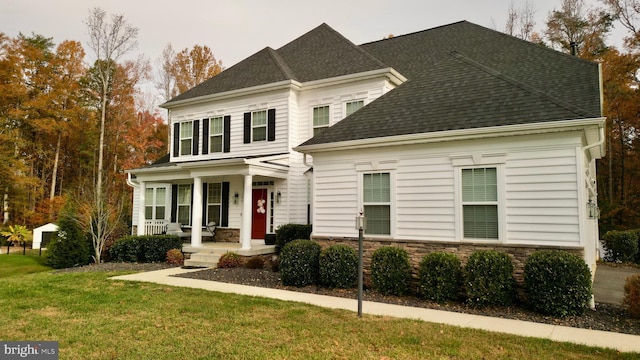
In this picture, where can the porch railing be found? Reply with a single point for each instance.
(152, 227)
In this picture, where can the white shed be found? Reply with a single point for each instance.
(43, 234)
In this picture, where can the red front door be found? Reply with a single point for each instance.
(259, 211)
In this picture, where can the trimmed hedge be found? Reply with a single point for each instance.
(338, 267)
(390, 270)
(289, 232)
(299, 262)
(632, 295)
(621, 245)
(557, 283)
(146, 248)
(489, 278)
(440, 276)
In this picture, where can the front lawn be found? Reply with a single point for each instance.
(93, 317)
(18, 264)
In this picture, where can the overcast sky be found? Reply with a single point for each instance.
(235, 29)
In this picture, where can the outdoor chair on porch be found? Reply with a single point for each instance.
(176, 229)
(210, 230)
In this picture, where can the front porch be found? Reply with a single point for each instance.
(208, 254)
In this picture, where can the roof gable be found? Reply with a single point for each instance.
(456, 93)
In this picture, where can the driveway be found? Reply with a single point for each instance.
(608, 286)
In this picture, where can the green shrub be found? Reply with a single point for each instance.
(632, 295)
(338, 267)
(289, 232)
(70, 246)
(230, 260)
(255, 262)
(621, 245)
(390, 270)
(299, 262)
(557, 283)
(145, 248)
(175, 257)
(489, 278)
(440, 276)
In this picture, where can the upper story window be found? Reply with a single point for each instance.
(186, 137)
(480, 203)
(320, 119)
(376, 200)
(260, 126)
(216, 131)
(352, 106)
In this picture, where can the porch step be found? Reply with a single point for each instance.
(205, 259)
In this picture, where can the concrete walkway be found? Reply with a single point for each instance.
(621, 342)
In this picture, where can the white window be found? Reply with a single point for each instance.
(320, 119)
(214, 203)
(376, 200)
(480, 203)
(352, 106)
(155, 199)
(259, 125)
(216, 129)
(184, 204)
(186, 137)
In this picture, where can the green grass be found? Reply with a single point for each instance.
(18, 264)
(93, 317)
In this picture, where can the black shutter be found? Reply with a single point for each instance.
(204, 203)
(227, 134)
(191, 207)
(196, 136)
(224, 221)
(174, 203)
(247, 127)
(205, 136)
(271, 124)
(176, 139)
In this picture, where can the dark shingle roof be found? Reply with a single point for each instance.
(321, 53)
(456, 93)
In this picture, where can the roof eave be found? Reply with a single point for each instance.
(451, 135)
(390, 73)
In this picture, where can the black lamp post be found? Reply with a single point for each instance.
(361, 224)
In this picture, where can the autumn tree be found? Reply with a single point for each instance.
(186, 69)
(110, 41)
(521, 21)
(627, 13)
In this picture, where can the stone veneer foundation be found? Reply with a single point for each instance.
(418, 249)
(230, 235)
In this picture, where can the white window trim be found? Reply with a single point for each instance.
(188, 204)
(266, 126)
(313, 126)
(190, 152)
(154, 203)
(212, 134)
(459, 221)
(367, 169)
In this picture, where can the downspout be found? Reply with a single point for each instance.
(130, 181)
(304, 160)
(598, 143)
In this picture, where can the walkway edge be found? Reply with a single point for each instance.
(603, 339)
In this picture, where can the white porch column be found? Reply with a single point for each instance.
(196, 213)
(245, 229)
(142, 196)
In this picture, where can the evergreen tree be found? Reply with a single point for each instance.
(70, 246)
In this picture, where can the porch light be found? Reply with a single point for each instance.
(235, 198)
(278, 197)
(593, 209)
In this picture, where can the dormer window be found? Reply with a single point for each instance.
(353, 106)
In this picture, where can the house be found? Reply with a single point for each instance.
(455, 138)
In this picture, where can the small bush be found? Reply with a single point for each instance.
(489, 279)
(390, 270)
(289, 232)
(440, 277)
(557, 283)
(621, 245)
(632, 295)
(338, 267)
(175, 257)
(255, 263)
(147, 248)
(230, 260)
(299, 262)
